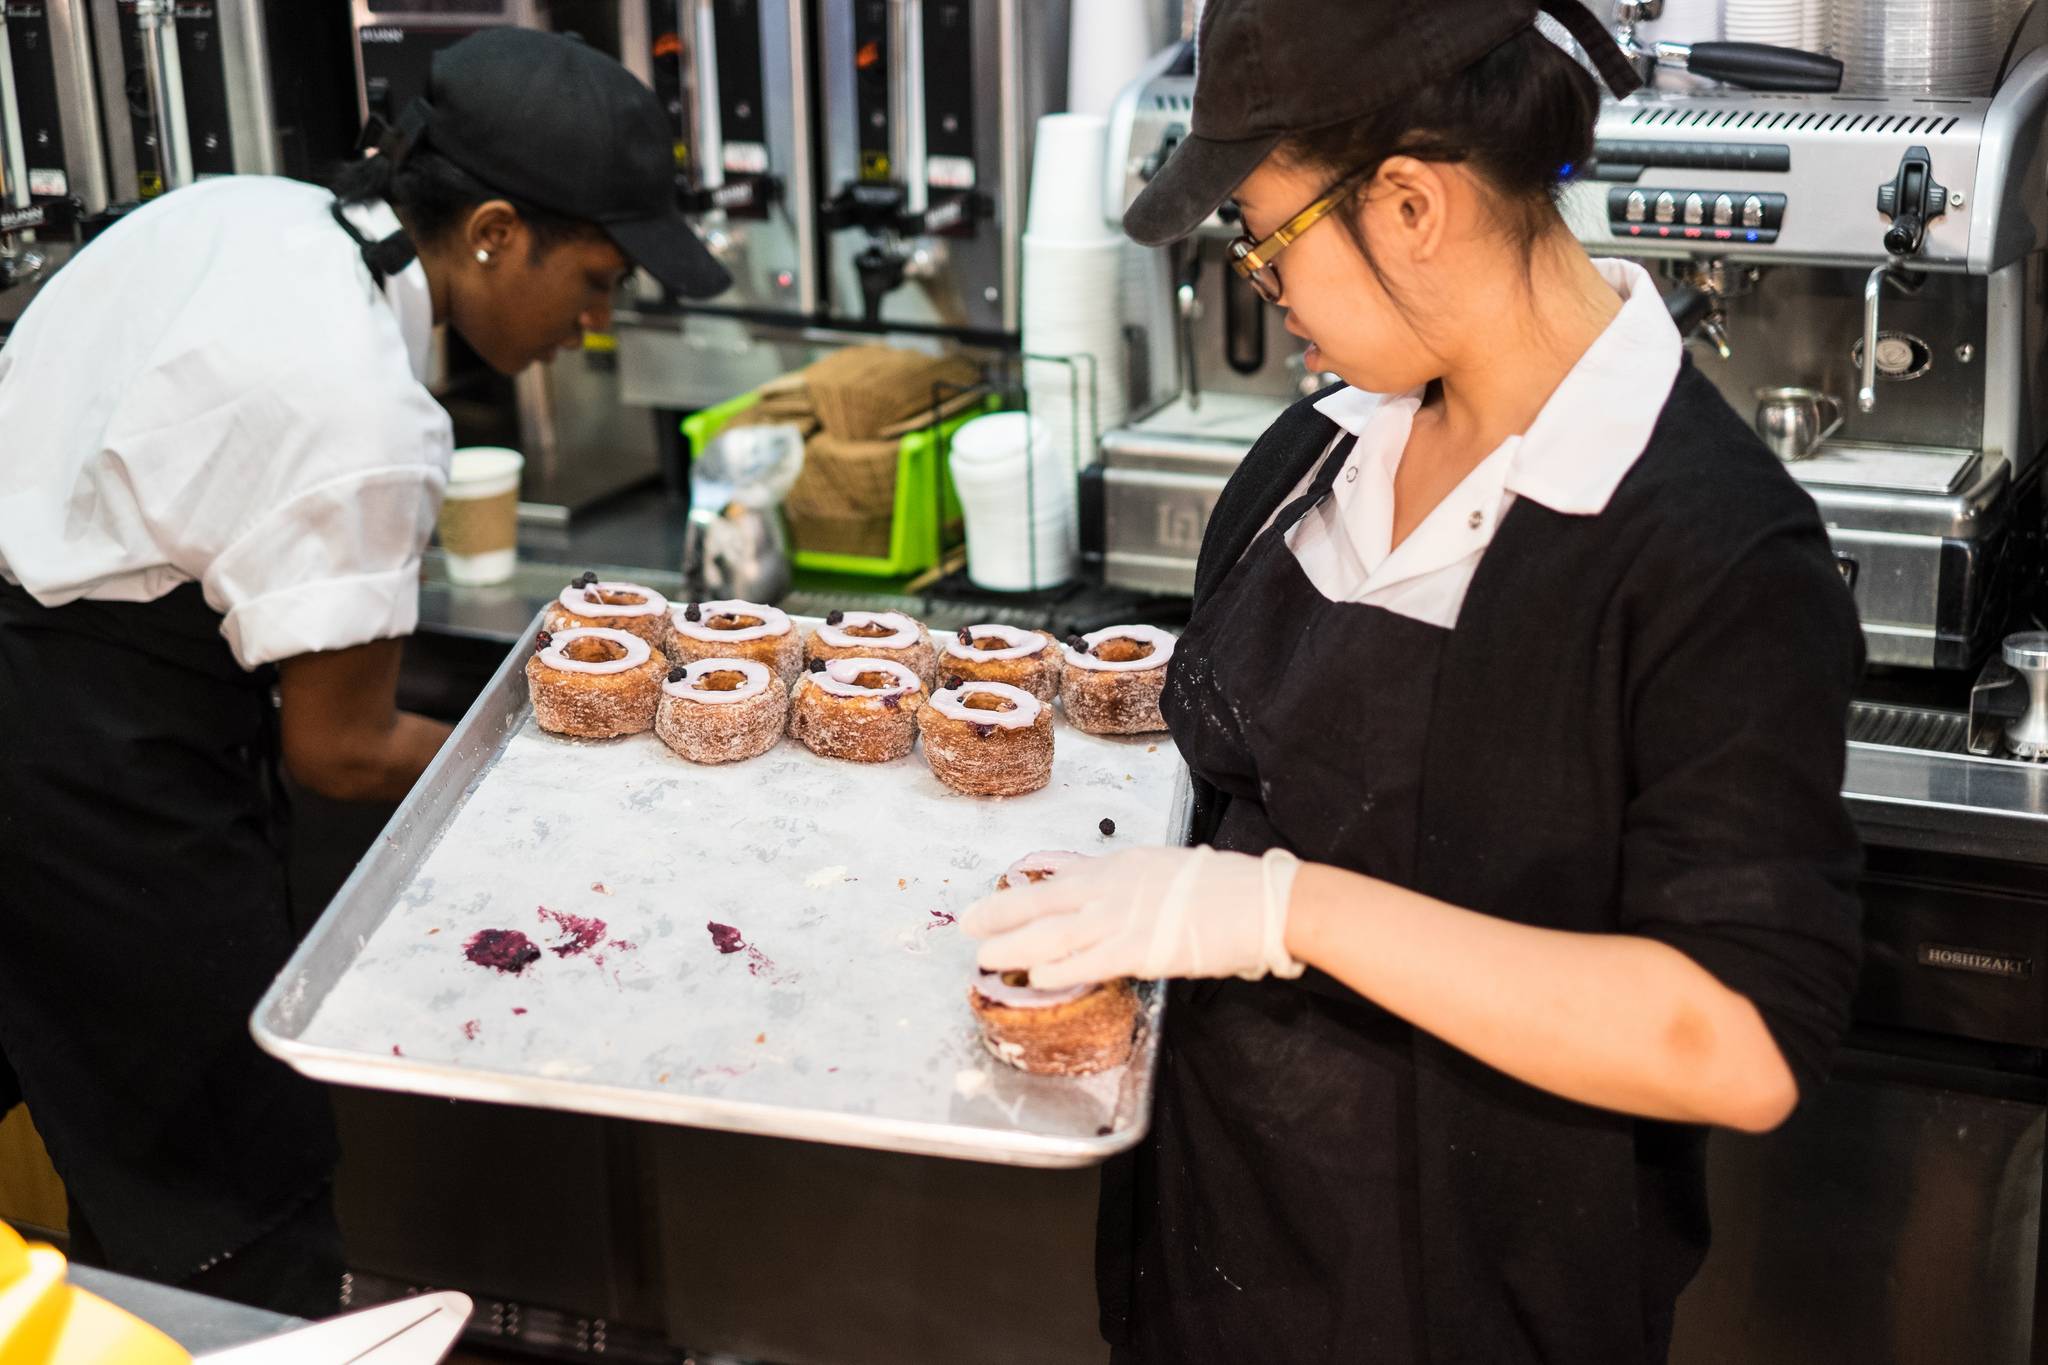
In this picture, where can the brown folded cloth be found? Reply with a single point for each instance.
(863, 391)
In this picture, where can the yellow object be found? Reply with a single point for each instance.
(44, 1320)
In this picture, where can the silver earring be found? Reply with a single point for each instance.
(483, 257)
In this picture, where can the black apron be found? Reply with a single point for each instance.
(142, 915)
(1272, 1212)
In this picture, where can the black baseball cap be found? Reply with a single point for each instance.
(546, 118)
(1266, 70)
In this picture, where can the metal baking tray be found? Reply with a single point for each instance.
(844, 1017)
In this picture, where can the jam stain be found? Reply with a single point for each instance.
(726, 939)
(581, 933)
(506, 950)
(519, 1009)
(469, 1030)
(942, 918)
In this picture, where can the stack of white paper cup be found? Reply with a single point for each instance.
(1107, 43)
(1075, 366)
(479, 523)
(1018, 496)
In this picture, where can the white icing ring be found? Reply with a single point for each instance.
(1023, 644)
(991, 986)
(904, 637)
(686, 688)
(637, 651)
(773, 622)
(572, 601)
(1052, 861)
(1160, 640)
(838, 676)
(952, 703)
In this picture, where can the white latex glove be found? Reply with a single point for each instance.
(1149, 912)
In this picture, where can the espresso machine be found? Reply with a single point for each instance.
(1216, 365)
(1862, 276)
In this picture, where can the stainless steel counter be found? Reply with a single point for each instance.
(1949, 803)
(194, 1321)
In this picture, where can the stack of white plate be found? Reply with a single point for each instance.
(1075, 368)
(1781, 23)
(1017, 495)
(1921, 47)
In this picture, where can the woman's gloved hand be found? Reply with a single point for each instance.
(1150, 912)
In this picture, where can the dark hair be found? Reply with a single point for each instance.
(1521, 117)
(434, 195)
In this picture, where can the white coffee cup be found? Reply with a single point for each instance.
(479, 524)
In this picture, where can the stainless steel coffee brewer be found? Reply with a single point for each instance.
(929, 111)
(861, 166)
(1213, 365)
(188, 91)
(52, 169)
(1865, 275)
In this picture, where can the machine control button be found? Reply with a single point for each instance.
(1695, 209)
(1724, 210)
(1753, 212)
(1638, 206)
(1667, 207)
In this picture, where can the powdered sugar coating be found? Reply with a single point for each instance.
(638, 651)
(1023, 710)
(686, 688)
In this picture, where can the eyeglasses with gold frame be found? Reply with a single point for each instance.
(1253, 260)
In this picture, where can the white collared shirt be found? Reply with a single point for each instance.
(1573, 456)
(214, 390)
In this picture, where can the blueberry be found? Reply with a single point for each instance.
(950, 684)
(691, 613)
(984, 731)
(894, 701)
(677, 673)
(816, 665)
(543, 640)
(586, 579)
(966, 636)
(834, 618)
(1108, 827)
(1077, 644)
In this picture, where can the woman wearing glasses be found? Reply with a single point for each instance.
(1515, 692)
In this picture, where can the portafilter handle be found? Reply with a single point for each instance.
(1755, 66)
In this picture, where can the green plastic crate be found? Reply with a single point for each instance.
(917, 527)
